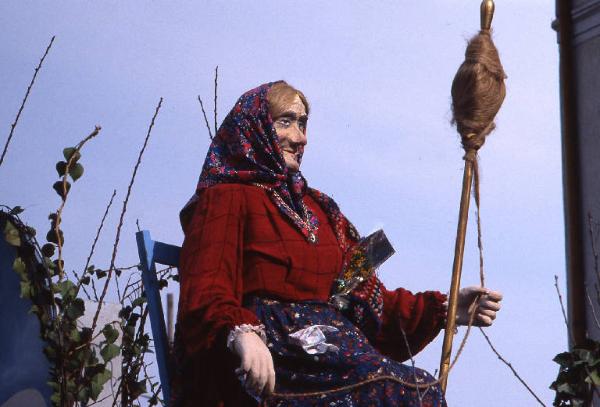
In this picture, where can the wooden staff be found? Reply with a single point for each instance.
(487, 12)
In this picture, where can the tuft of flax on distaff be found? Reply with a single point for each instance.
(478, 91)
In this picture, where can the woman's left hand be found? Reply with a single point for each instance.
(487, 305)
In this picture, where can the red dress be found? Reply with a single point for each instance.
(237, 244)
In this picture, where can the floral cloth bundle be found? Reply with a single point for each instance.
(358, 291)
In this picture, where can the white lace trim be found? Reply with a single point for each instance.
(245, 328)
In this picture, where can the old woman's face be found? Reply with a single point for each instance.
(290, 126)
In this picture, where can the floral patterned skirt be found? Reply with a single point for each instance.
(355, 375)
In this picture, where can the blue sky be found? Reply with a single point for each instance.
(380, 141)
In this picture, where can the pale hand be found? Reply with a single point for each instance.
(257, 362)
(486, 307)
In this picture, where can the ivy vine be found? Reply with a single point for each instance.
(80, 356)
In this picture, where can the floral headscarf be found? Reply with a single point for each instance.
(246, 150)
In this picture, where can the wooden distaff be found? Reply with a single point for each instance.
(477, 94)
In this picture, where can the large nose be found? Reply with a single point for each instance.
(298, 136)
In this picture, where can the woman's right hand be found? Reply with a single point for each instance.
(257, 362)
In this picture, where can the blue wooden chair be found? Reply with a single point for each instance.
(152, 252)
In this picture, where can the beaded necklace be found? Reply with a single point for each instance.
(305, 223)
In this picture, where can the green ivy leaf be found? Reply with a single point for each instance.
(12, 235)
(56, 398)
(76, 171)
(138, 301)
(138, 389)
(86, 334)
(110, 333)
(25, 289)
(75, 309)
(34, 310)
(565, 388)
(61, 168)
(19, 267)
(109, 351)
(83, 395)
(16, 210)
(48, 250)
(52, 237)
(66, 288)
(57, 262)
(49, 263)
(85, 280)
(125, 312)
(94, 369)
(30, 231)
(71, 386)
(75, 335)
(53, 385)
(100, 273)
(60, 190)
(594, 378)
(68, 152)
(97, 383)
(50, 353)
(564, 359)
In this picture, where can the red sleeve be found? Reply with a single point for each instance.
(211, 270)
(420, 315)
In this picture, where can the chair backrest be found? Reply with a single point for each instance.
(152, 252)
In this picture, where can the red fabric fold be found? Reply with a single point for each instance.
(211, 270)
(420, 315)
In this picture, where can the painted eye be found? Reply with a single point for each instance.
(284, 122)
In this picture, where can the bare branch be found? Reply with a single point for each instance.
(562, 305)
(210, 134)
(12, 126)
(89, 258)
(594, 247)
(412, 362)
(510, 367)
(216, 80)
(592, 307)
(79, 284)
(123, 211)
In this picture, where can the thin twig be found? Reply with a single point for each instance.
(12, 126)
(210, 134)
(593, 308)
(216, 80)
(510, 367)
(593, 236)
(79, 285)
(137, 285)
(562, 305)
(412, 362)
(594, 247)
(89, 258)
(70, 162)
(99, 401)
(127, 286)
(123, 211)
(94, 290)
(117, 272)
